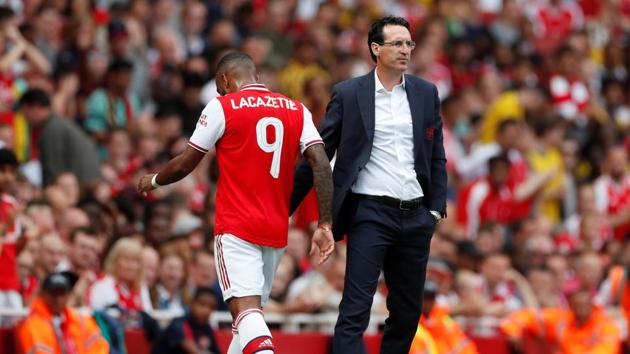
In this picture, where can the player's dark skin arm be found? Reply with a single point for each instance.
(177, 168)
(322, 180)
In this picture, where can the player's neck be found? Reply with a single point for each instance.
(245, 82)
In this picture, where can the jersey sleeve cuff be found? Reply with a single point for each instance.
(197, 147)
(311, 143)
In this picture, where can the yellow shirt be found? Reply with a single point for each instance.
(545, 161)
(506, 106)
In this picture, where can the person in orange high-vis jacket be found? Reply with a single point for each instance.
(437, 332)
(615, 293)
(584, 328)
(53, 328)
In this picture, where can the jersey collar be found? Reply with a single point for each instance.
(254, 87)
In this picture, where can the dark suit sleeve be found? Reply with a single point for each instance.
(438, 163)
(331, 134)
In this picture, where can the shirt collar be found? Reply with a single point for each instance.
(378, 86)
(249, 87)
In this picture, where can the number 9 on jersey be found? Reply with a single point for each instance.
(276, 146)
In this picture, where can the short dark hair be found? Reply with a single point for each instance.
(501, 158)
(376, 32)
(120, 65)
(6, 13)
(8, 158)
(90, 231)
(235, 60)
(204, 290)
(35, 96)
(506, 123)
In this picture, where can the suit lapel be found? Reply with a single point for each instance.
(365, 99)
(416, 107)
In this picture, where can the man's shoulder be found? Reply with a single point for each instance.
(349, 85)
(420, 83)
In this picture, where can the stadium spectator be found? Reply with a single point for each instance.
(83, 255)
(585, 328)
(612, 191)
(58, 143)
(122, 282)
(497, 65)
(53, 327)
(170, 292)
(10, 232)
(192, 332)
(437, 331)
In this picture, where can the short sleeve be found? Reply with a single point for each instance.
(210, 127)
(309, 136)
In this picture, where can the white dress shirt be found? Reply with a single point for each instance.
(390, 170)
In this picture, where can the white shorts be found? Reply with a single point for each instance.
(245, 268)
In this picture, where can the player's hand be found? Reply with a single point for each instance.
(144, 184)
(322, 242)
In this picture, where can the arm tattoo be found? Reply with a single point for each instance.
(322, 180)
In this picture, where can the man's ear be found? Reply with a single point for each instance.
(257, 77)
(374, 47)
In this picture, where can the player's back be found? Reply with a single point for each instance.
(256, 157)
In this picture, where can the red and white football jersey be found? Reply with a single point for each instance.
(613, 198)
(8, 265)
(258, 134)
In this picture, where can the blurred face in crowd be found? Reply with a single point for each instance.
(499, 171)
(204, 273)
(25, 265)
(428, 302)
(84, 251)
(298, 244)
(150, 265)
(56, 300)
(559, 266)
(391, 57)
(7, 177)
(172, 272)
(36, 114)
(581, 305)
(128, 265)
(494, 268)
(119, 146)
(509, 136)
(284, 276)
(202, 307)
(7, 135)
(69, 184)
(617, 162)
(51, 252)
(542, 282)
(589, 270)
(195, 18)
(120, 81)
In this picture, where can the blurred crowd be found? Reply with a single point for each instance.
(536, 119)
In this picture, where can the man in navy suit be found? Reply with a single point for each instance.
(389, 187)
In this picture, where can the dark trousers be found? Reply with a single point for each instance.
(383, 237)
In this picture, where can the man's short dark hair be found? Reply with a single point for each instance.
(203, 290)
(234, 60)
(89, 231)
(8, 158)
(120, 65)
(499, 159)
(35, 97)
(6, 13)
(376, 32)
(506, 123)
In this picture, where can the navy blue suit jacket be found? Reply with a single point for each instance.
(348, 131)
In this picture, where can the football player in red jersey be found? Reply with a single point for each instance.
(257, 135)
